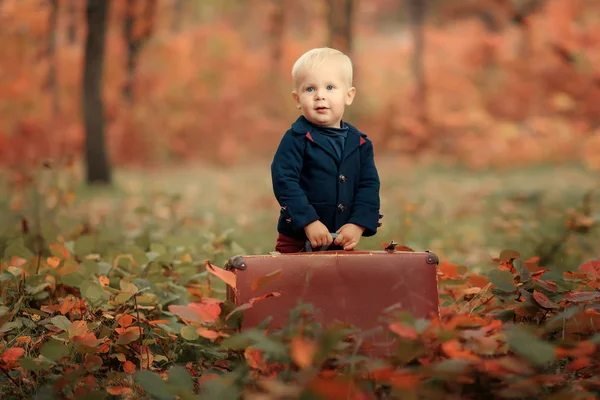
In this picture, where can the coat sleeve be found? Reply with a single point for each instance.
(365, 209)
(285, 174)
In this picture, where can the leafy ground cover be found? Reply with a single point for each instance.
(120, 293)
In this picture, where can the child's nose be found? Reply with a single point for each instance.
(320, 94)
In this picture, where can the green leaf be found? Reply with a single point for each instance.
(62, 322)
(84, 245)
(153, 385)
(218, 389)
(179, 377)
(29, 364)
(94, 292)
(507, 255)
(502, 280)
(54, 350)
(123, 297)
(17, 248)
(74, 279)
(189, 333)
(9, 326)
(529, 346)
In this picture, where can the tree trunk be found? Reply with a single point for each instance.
(135, 39)
(339, 19)
(52, 84)
(417, 10)
(276, 34)
(98, 167)
(177, 16)
(72, 25)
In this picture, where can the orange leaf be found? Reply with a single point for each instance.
(67, 305)
(264, 296)
(87, 339)
(449, 270)
(23, 339)
(60, 251)
(405, 380)
(125, 320)
(579, 363)
(207, 333)
(334, 389)
(302, 352)
(205, 311)
(77, 328)
(131, 334)
(226, 276)
(591, 267)
(543, 300)
(53, 261)
(453, 349)
(254, 359)
(479, 281)
(117, 390)
(158, 321)
(11, 355)
(129, 367)
(265, 280)
(403, 331)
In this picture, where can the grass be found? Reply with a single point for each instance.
(464, 216)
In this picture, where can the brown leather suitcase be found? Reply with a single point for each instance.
(353, 287)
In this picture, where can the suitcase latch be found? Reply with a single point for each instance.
(236, 262)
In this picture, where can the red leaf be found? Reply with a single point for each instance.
(591, 267)
(263, 297)
(547, 285)
(579, 363)
(543, 300)
(581, 296)
(405, 380)
(226, 276)
(449, 270)
(11, 355)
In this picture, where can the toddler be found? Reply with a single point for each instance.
(323, 172)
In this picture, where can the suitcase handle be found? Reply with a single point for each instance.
(308, 247)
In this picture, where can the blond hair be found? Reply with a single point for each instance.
(315, 57)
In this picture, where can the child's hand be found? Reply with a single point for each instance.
(318, 234)
(349, 235)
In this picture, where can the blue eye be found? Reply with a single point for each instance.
(309, 89)
(329, 87)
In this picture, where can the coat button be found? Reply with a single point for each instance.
(283, 209)
(288, 220)
(343, 178)
(341, 207)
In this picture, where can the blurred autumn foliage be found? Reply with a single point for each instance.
(490, 83)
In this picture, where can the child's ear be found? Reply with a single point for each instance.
(350, 95)
(296, 99)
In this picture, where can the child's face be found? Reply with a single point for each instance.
(323, 93)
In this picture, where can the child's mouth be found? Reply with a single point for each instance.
(321, 108)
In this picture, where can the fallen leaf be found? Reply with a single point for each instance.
(11, 355)
(265, 280)
(403, 331)
(119, 390)
(129, 367)
(226, 276)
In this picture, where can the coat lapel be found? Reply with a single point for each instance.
(320, 141)
(353, 142)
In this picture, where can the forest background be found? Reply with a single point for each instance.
(147, 127)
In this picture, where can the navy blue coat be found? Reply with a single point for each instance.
(310, 182)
